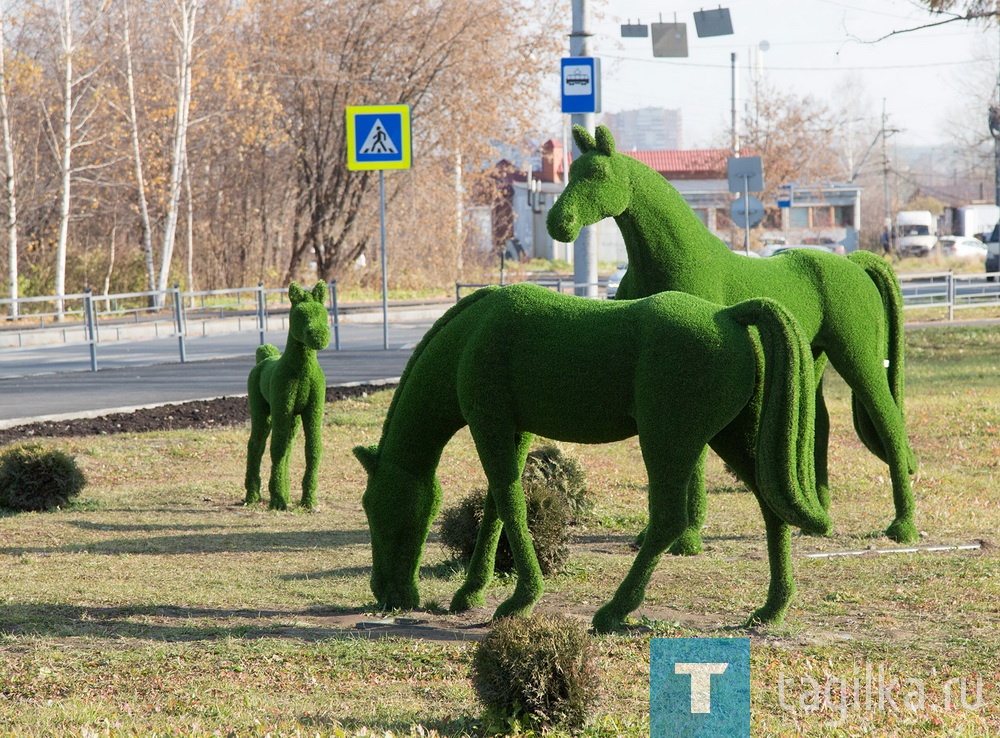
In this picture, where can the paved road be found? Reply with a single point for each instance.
(84, 393)
(75, 357)
(56, 382)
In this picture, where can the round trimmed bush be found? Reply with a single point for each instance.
(539, 671)
(549, 467)
(33, 477)
(555, 494)
(548, 524)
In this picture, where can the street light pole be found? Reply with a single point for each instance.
(585, 246)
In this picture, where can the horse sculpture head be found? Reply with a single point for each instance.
(400, 507)
(308, 322)
(599, 186)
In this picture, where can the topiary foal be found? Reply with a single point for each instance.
(283, 388)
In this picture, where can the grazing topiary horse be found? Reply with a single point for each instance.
(850, 309)
(284, 388)
(513, 361)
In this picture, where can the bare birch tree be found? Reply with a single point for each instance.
(132, 117)
(9, 177)
(183, 25)
(72, 134)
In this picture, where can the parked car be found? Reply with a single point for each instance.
(778, 248)
(993, 252)
(615, 279)
(962, 247)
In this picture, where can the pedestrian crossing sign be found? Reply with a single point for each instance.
(378, 137)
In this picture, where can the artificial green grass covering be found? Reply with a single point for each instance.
(850, 309)
(675, 370)
(284, 389)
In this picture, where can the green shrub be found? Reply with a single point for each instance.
(33, 477)
(548, 523)
(556, 495)
(548, 466)
(537, 672)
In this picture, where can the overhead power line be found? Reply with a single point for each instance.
(772, 67)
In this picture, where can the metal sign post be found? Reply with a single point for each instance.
(745, 174)
(378, 137)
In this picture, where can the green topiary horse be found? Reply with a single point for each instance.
(850, 309)
(513, 361)
(284, 388)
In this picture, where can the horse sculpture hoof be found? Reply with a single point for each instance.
(606, 622)
(511, 608)
(689, 544)
(766, 616)
(464, 601)
(903, 531)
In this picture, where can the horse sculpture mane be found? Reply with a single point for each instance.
(850, 309)
(514, 361)
(284, 389)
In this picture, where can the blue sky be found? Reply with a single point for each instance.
(933, 81)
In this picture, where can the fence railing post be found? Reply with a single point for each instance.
(89, 321)
(951, 294)
(179, 320)
(335, 309)
(261, 312)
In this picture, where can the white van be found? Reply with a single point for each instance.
(916, 232)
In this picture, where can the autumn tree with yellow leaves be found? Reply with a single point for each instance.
(207, 138)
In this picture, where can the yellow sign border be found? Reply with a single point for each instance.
(351, 114)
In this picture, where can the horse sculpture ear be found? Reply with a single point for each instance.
(368, 456)
(605, 141)
(296, 294)
(319, 292)
(584, 141)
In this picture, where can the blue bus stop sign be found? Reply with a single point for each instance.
(581, 84)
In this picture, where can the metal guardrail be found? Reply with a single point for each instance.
(950, 291)
(558, 284)
(90, 319)
(83, 318)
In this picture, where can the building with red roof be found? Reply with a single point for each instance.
(808, 214)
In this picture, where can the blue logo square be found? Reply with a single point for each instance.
(699, 687)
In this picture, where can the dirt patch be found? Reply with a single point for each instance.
(219, 413)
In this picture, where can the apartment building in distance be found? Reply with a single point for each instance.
(645, 129)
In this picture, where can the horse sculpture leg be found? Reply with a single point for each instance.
(689, 542)
(822, 443)
(872, 391)
(312, 425)
(283, 427)
(502, 452)
(472, 592)
(782, 586)
(260, 428)
(670, 472)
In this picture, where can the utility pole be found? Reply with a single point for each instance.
(735, 95)
(585, 246)
(995, 132)
(885, 179)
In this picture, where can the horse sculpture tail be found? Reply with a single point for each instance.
(786, 478)
(266, 351)
(892, 301)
